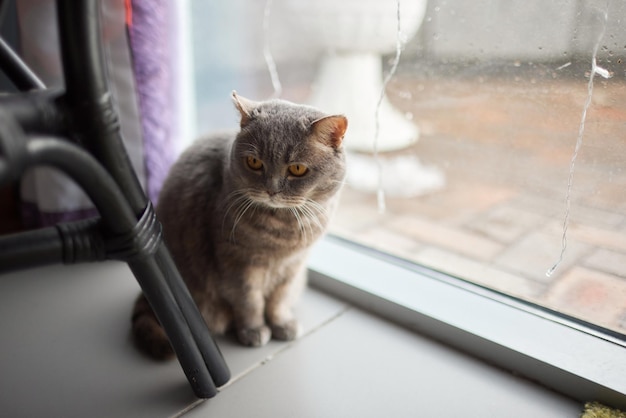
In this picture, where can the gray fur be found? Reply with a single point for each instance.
(240, 236)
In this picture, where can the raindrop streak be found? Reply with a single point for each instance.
(392, 71)
(579, 140)
(267, 54)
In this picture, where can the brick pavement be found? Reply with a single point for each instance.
(505, 149)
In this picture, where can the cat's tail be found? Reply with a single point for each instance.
(148, 333)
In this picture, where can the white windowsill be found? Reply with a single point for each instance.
(561, 355)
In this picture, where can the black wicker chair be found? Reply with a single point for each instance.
(89, 149)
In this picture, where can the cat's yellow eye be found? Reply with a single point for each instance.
(298, 170)
(254, 163)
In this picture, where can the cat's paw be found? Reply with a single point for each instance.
(254, 337)
(288, 331)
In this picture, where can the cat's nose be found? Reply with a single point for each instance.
(272, 187)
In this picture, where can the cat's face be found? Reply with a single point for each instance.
(287, 155)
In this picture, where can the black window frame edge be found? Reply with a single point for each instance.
(565, 355)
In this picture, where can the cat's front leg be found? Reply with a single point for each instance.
(248, 306)
(254, 336)
(250, 326)
(283, 324)
(278, 308)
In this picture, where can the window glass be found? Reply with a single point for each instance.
(497, 154)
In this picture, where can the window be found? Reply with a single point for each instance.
(494, 166)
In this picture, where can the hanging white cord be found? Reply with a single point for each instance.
(595, 69)
(267, 53)
(392, 71)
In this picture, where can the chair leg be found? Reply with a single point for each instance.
(146, 241)
(149, 274)
(210, 351)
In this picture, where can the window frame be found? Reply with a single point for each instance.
(559, 352)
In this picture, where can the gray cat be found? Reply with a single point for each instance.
(239, 214)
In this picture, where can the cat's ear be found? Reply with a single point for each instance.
(331, 129)
(245, 107)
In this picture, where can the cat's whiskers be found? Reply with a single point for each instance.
(241, 202)
(341, 182)
(311, 216)
(233, 199)
(241, 211)
(307, 214)
(318, 207)
(296, 213)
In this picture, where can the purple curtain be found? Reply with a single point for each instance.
(152, 32)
